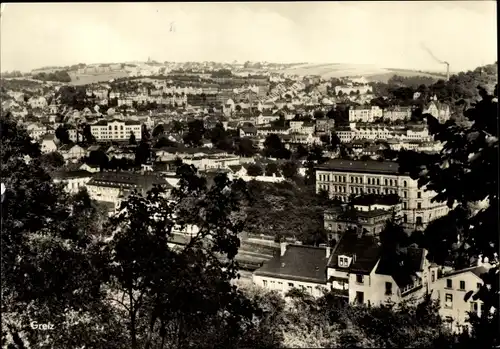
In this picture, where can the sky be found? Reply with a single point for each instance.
(385, 34)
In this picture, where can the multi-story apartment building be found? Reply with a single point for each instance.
(343, 178)
(397, 113)
(116, 130)
(365, 114)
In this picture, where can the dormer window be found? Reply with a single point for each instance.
(344, 261)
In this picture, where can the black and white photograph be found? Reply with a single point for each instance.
(239, 175)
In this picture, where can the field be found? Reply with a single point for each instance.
(338, 70)
(84, 79)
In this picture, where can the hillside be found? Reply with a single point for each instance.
(371, 72)
(84, 79)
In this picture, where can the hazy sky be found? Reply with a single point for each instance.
(386, 34)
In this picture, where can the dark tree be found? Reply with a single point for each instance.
(245, 148)
(145, 133)
(52, 161)
(97, 158)
(289, 170)
(254, 170)
(272, 169)
(142, 153)
(62, 134)
(465, 176)
(132, 140)
(158, 130)
(195, 133)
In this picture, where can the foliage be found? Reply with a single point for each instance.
(285, 209)
(254, 170)
(195, 133)
(158, 130)
(289, 169)
(52, 161)
(50, 257)
(59, 76)
(132, 140)
(245, 147)
(465, 176)
(62, 134)
(273, 147)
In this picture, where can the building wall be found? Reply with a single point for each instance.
(116, 130)
(458, 308)
(416, 203)
(73, 185)
(285, 285)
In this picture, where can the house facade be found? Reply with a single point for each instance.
(118, 130)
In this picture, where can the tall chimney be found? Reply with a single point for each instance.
(447, 71)
(328, 251)
(282, 248)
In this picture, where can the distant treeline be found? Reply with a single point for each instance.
(60, 76)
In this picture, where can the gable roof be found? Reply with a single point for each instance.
(365, 248)
(403, 275)
(300, 263)
(477, 270)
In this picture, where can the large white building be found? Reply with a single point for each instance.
(343, 178)
(116, 130)
(365, 114)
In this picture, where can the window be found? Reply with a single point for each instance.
(433, 276)
(448, 301)
(264, 282)
(405, 218)
(343, 261)
(473, 307)
(388, 288)
(405, 205)
(462, 285)
(405, 194)
(404, 184)
(360, 297)
(449, 322)
(478, 285)
(419, 220)
(309, 289)
(359, 278)
(386, 182)
(419, 205)
(378, 181)
(419, 195)
(449, 283)
(290, 284)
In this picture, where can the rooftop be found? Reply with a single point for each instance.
(365, 248)
(301, 263)
(114, 179)
(370, 166)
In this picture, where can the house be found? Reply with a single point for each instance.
(89, 168)
(36, 130)
(325, 125)
(450, 288)
(296, 266)
(359, 271)
(114, 187)
(118, 130)
(37, 102)
(440, 111)
(367, 214)
(48, 144)
(248, 131)
(72, 152)
(73, 180)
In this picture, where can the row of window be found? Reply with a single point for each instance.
(359, 180)
(272, 284)
(449, 284)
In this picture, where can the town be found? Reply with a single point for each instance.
(323, 198)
